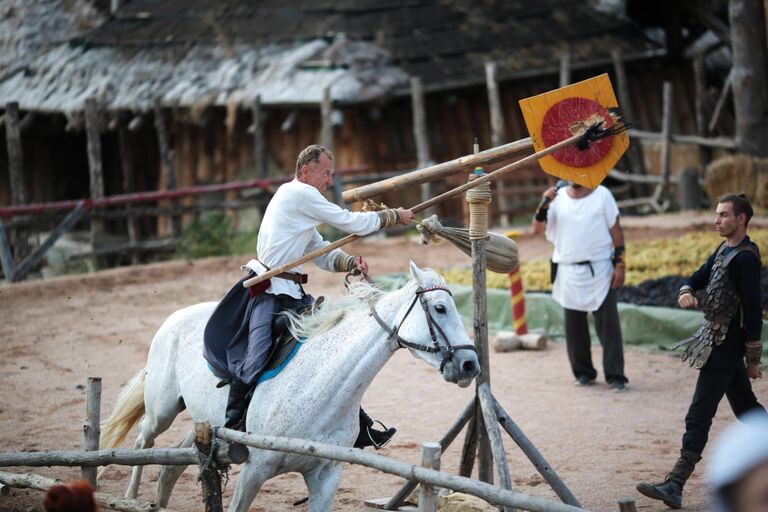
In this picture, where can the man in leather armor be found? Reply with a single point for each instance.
(729, 335)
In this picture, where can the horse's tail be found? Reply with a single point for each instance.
(128, 411)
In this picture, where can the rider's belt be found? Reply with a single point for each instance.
(294, 276)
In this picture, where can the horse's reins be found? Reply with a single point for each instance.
(393, 332)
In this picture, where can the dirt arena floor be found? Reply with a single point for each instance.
(56, 333)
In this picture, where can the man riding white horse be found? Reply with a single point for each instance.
(238, 337)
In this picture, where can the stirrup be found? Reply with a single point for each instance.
(376, 445)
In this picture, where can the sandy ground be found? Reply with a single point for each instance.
(54, 334)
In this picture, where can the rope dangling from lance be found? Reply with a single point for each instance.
(478, 198)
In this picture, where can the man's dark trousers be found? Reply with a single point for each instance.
(608, 332)
(723, 374)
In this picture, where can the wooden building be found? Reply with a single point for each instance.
(203, 65)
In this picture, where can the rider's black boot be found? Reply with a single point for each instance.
(369, 436)
(670, 491)
(237, 405)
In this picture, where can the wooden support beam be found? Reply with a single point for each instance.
(421, 136)
(565, 66)
(37, 254)
(494, 437)
(430, 458)
(490, 493)
(129, 186)
(93, 140)
(326, 124)
(92, 426)
(169, 168)
(210, 478)
(467, 415)
(469, 449)
(6, 256)
(712, 142)
(536, 458)
(635, 151)
(700, 81)
(727, 86)
(259, 150)
(666, 137)
(498, 133)
(750, 76)
(480, 315)
(41, 483)
(15, 154)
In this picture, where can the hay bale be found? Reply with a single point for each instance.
(736, 174)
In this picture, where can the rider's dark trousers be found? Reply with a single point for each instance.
(608, 329)
(723, 374)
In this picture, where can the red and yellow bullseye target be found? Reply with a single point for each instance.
(557, 115)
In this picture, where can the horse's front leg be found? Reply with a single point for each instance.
(322, 482)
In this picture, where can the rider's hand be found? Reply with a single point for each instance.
(362, 265)
(406, 216)
(687, 300)
(754, 371)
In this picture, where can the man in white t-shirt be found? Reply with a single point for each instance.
(588, 265)
(238, 337)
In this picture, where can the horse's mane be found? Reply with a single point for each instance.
(333, 311)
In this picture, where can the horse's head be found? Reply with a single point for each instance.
(432, 329)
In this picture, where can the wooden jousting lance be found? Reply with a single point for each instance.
(424, 205)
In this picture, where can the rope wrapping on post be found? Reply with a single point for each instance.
(478, 198)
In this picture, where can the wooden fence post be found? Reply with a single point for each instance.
(430, 459)
(209, 476)
(92, 428)
(498, 133)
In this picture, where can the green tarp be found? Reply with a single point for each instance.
(641, 325)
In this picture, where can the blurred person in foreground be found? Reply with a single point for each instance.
(738, 470)
(72, 497)
(730, 333)
(583, 225)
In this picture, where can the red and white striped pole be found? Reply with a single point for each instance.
(518, 301)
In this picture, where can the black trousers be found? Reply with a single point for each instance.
(723, 374)
(608, 329)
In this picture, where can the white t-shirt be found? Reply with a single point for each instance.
(289, 231)
(580, 231)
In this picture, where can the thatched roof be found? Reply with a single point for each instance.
(192, 52)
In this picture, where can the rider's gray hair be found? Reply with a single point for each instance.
(311, 154)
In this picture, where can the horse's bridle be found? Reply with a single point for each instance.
(436, 347)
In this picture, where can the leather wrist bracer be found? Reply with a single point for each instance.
(388, 217)
(344, 262)
(753, 353)
(684, 289)
(618, 255)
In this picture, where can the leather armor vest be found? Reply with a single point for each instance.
(721, 306)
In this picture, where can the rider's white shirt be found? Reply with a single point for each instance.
(579, 230)
(289, 231)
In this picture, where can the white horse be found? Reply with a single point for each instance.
(317, 396)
